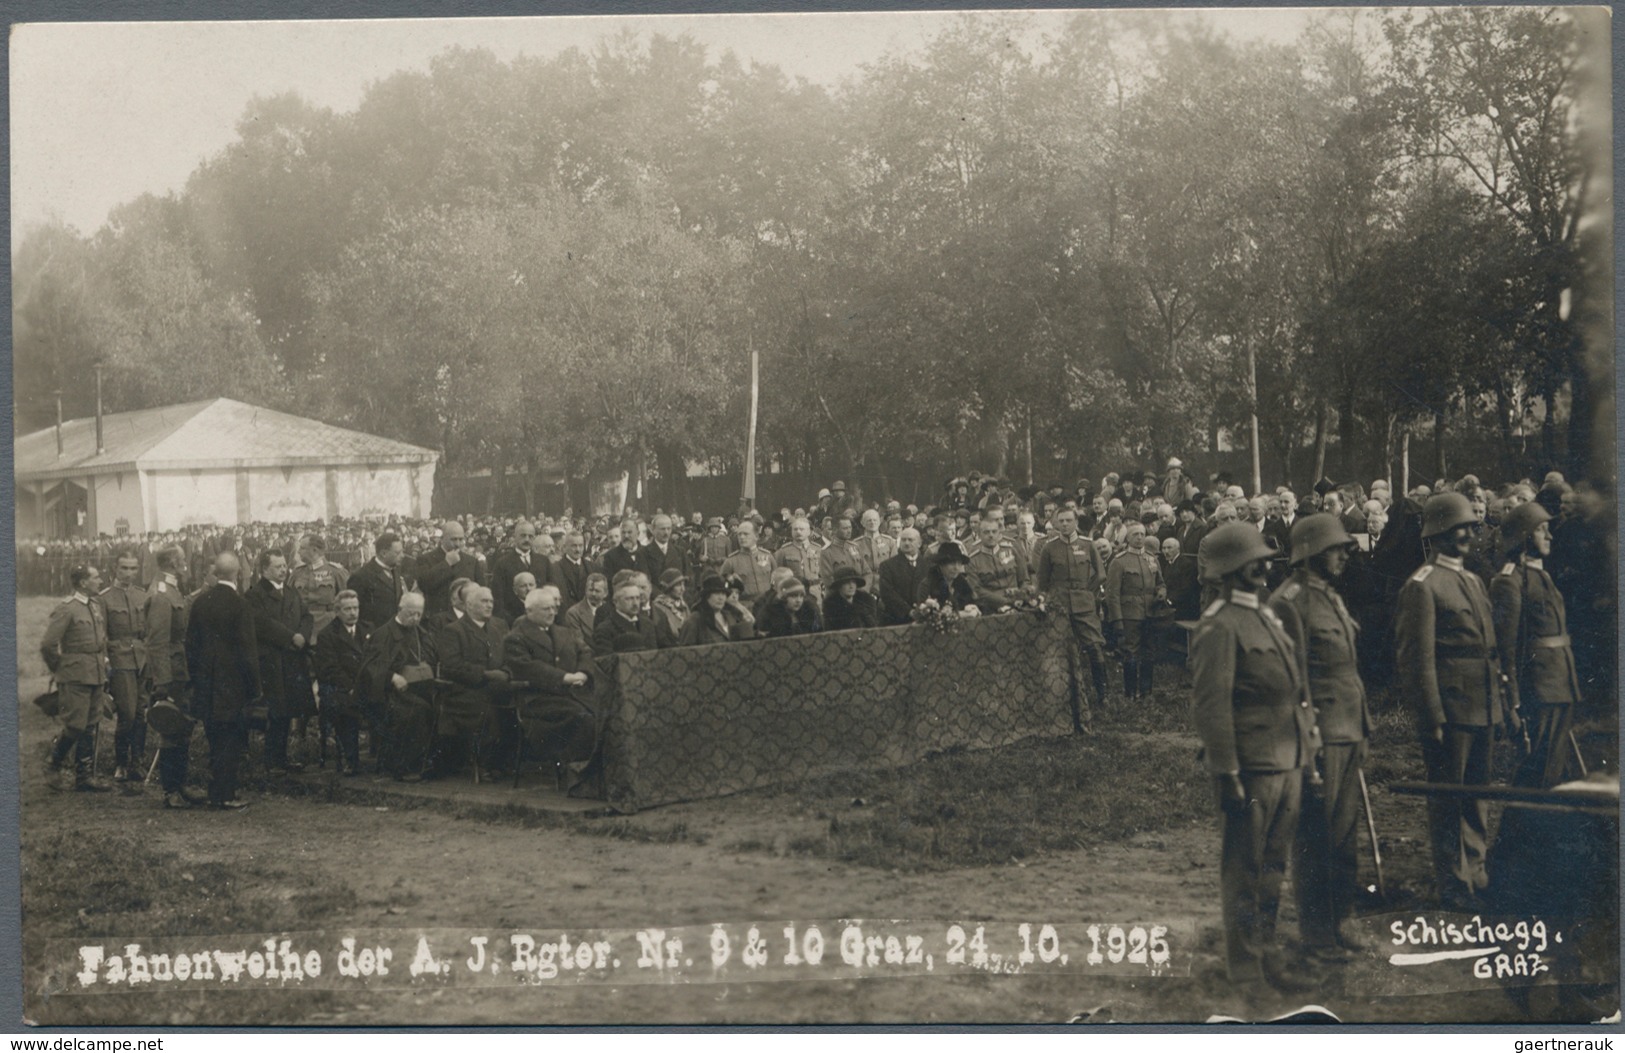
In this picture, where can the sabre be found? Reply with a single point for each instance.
(1371, 829)
(1574, 744)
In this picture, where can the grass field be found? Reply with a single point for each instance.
(1115, 825)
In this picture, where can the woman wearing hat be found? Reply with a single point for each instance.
(945, 582)
(720, 616)
(791, 612)
(670, 607)
(847, 606)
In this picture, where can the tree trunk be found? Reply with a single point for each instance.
(493, 493)
(1509, 468)
(1438, 444)
(1320, 442)
(1346, 439)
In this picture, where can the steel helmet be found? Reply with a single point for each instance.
(1444, 512)
(1521, 521)
(1312, 535)
(1230, 547)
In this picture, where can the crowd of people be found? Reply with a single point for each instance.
(473, 644)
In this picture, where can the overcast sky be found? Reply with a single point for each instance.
(103, 112)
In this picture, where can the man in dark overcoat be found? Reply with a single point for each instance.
(222, 658)
(284, 631)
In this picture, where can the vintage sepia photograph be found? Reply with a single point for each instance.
(1025, 517)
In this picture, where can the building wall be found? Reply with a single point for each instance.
(286, 495)
(183, 498)
(359, 491)
(118, 496)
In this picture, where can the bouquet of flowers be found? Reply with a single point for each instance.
(930, 612)
(1028, 598)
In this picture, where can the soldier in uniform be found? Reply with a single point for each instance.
(318, 581)
(1537, 657)
(802, 555)
(166, 678)
(125, 604)
(1069, 572)
(1325, 857)
(1133, 586)
(75, 651)
(1258, 735)
(750, 564)
(1445, 647)
(711, 549)
(998, 569)
(874, 548)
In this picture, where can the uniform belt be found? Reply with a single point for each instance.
(1550, 641)
(1460, 651)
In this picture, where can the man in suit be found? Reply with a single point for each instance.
(441, 566)
(470, 651)
(626, 627)
(583, 617)
(283, 629)
(624, 555)
(555, 712)
(125, 604)
(222, 657)
(899, 577)
(378, 584)
(338, 665)
(569, 572)
(520, 559)
(1446, 658)
(75, 651)
(1258, 735)
(663, 552)
(166, 672)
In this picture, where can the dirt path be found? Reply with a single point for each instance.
(357, 866)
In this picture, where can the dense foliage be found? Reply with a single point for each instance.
(1039, 256)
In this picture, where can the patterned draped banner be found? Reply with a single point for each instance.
(695, 722)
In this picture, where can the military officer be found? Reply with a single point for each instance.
(1537, 657)
(318, 581)
(1446, 660)
(1069, 572)
(75, 651)
(125, 604)
(801, 555)
(751, 564)
(997, 570)
(1258, 735)
(1133, 587)
(1325, 855)
(874, 548)
(166, 674)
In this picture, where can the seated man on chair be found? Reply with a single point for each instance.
(556, 714)
(471, 658)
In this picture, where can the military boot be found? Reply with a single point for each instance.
(84, 779)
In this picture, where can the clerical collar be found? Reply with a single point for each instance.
(1453, 562)
(1245, 599)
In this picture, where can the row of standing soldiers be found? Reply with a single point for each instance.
(1281, 710)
